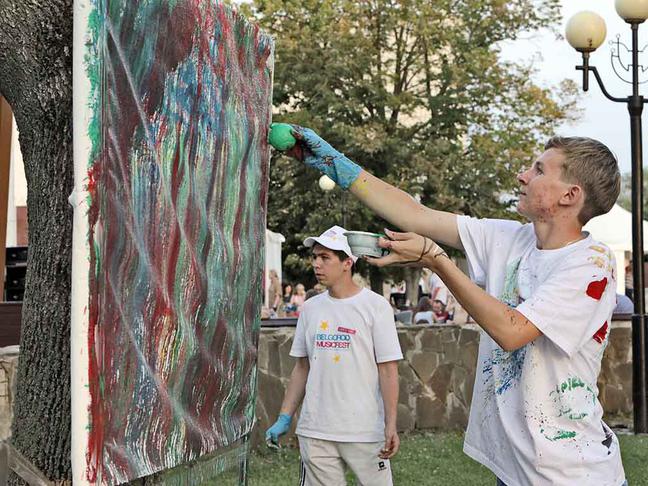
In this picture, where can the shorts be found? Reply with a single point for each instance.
(324, 463)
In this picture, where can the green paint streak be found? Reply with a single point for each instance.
(571, 384)
(92, 61)
(577, 416)
(560, 435)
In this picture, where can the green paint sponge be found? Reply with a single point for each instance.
(281, 136)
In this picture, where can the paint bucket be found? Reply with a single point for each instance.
(365, 244)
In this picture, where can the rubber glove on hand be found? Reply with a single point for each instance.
(279, 428)
(318, 153)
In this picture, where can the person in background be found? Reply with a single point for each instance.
(274, 291)
(298, 297)
(397, 295)
(319, 287)
(424, 283)
(423, 311)
(286, 309)
(629, 283)
(311, 293)
(438, 290)
(624, 305)
(346, 372)
(439, 313)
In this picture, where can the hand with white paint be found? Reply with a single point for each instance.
(317, 153)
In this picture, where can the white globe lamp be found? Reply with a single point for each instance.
(586, 31)
(632, 10)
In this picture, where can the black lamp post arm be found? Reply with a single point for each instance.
(586, 68)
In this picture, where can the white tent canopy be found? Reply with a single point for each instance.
(273, 258)
(615, 230)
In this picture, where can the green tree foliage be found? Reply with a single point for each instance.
(415, 92)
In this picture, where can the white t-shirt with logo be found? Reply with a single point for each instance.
(344, 339)
(535, 416)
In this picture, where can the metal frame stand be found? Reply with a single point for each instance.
(244, 462)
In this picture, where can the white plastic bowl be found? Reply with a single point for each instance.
(365, 244)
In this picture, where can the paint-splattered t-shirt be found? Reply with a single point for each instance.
(344, 339)
(535, 416)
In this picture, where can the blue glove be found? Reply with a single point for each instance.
(320, 155)
(280, 427)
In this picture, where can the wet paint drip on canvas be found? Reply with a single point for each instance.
(176, 193)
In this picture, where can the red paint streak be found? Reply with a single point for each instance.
(96, 436)
(595, 289)
(223, 44)
(92, 182)
(206, 376)
(600, 335)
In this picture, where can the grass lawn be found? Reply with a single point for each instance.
(427, 458)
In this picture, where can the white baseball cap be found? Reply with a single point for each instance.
(333, 239)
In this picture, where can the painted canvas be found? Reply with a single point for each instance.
(172, 108)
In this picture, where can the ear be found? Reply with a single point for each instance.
(573, 196)
(348, 263)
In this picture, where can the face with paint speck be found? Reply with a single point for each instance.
(542, 190)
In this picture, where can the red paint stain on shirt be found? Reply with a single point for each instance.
(599, 336)
(595, 289)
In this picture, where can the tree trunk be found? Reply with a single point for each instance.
(36, 80)
(412, 277)
(376, 280)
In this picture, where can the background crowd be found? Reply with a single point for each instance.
(435, 304)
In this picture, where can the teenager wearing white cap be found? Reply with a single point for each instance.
(346, 372)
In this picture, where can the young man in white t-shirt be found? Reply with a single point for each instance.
(346, 372)
(549, 294)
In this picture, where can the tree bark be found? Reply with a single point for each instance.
(376, 280)
(412, 277)
(36, 80)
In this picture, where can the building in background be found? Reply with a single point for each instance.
(17, 197)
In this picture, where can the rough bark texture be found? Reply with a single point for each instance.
(36, 79)
(412, 277)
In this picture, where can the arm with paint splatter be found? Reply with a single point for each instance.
(509, 328)
(389, 202)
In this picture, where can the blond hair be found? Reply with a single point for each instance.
(591, 165)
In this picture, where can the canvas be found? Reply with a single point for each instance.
(172, 108)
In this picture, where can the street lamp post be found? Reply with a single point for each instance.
(586, 32)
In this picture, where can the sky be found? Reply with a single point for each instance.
(601, 118)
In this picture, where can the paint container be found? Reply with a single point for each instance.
(281, 136)
(365, 244)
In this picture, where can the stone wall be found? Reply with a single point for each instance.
(615, 380)
(437, 376)
(8, 366)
